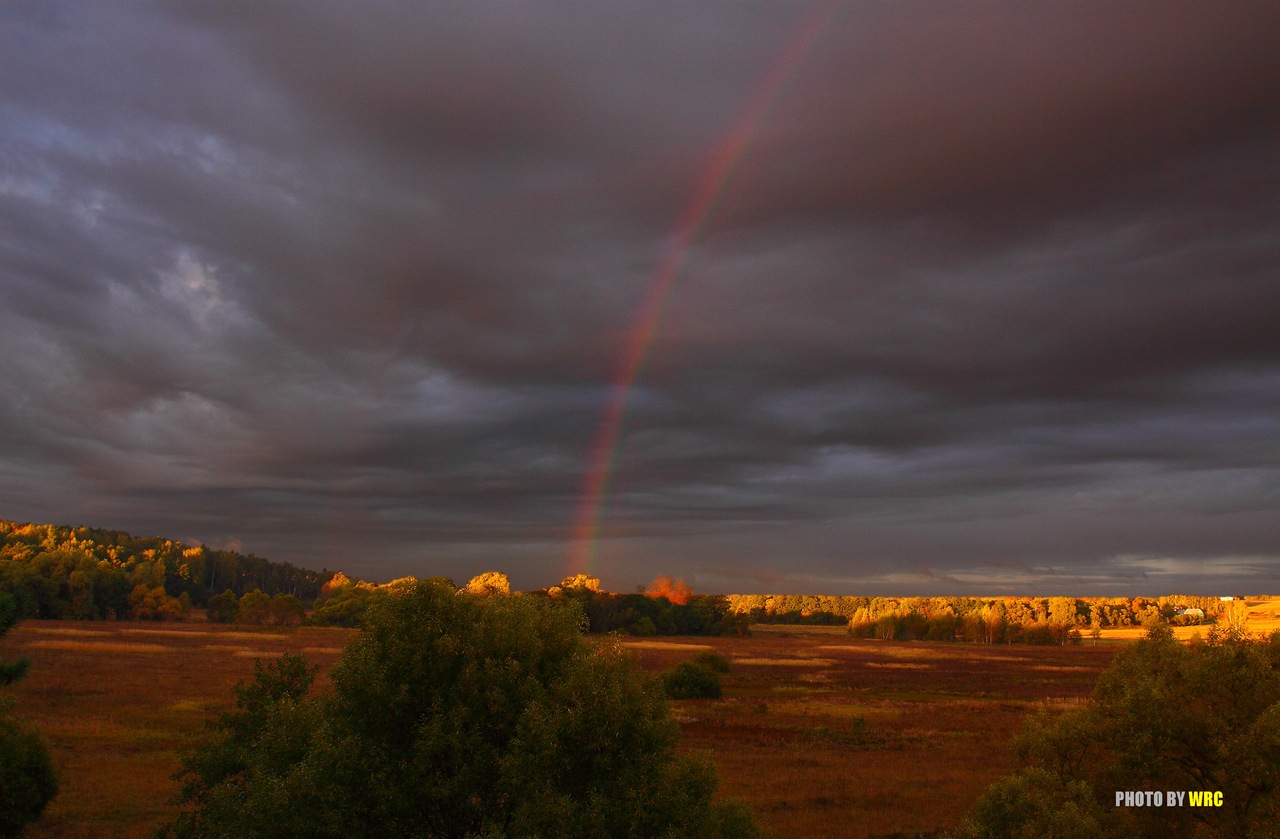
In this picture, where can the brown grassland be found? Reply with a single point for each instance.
(826, 736)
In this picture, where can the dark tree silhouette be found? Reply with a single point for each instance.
(27, 780)
(456, 714)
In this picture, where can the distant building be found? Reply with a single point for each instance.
(1191, 613)
(1226, 599)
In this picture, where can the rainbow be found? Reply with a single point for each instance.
(690, 226)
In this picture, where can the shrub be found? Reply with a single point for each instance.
(1038, 634)
(223, 608)
(285, 610)
(712, 661)
(689, 680)
(643, 628)
(27, 779)
(255, 606)
(455, 715)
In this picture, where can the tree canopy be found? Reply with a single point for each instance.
(455, 715)
(1164, 716)
(90, 574)
(490, 582)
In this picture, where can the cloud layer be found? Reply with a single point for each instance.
(987, 304)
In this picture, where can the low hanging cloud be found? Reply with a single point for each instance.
(987, 302)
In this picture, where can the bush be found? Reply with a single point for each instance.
(712, 661)
(643, 628)
(285, 610)
(254, 607)
(27, 779)
(455, 715)
(223, 608)
(1038, 634)
(689, 680)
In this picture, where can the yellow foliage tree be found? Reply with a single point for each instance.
(490, 582)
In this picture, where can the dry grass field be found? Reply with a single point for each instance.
(824, 735)
(118, 702)
(1262, 616)
(832, 737)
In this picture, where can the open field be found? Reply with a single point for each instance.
(119, 701)
(1262, 617)
(832, 737)
(825, 736)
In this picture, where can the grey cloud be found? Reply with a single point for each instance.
(990, 291)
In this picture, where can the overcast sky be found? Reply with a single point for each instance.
(988, 302)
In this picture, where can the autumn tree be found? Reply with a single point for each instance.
(27, 779)
(333, 585)
(455, 715)
(677, 591)
(490, 582)
(581, 581)
(151, 603)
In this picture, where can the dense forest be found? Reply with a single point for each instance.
(92, 574)
(84, 573)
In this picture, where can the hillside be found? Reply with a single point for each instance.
(56, 571)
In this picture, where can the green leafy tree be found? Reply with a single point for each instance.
(223, 608)
(712, 661)
(27, 779)
(1164, 716)
(255, 607)
(285, 610)
(346, 607)
(10, 671)
(1035, 804)
(456, 715)
(153, 604)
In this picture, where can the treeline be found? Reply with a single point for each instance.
(644, 615)
(991, 620)
(83, 573)
(93, 574)
(668, 608)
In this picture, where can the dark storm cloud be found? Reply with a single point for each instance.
(987, 303)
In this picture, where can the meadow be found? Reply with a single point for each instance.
(824, 735)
